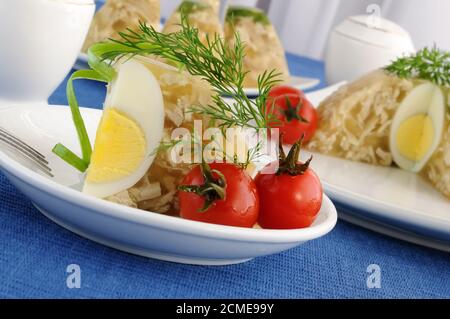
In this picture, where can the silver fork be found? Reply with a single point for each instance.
(26, 150)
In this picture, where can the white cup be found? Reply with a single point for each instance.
(40, 43)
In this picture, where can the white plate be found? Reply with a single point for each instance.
(132, 230)
(385, 199)
(298, 82)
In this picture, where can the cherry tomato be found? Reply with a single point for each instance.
(239, 205)
(297, 116)
(290, 198)
(284, 90)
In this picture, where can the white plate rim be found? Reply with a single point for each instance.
(386, 210)
(392, 231)
(310, 83)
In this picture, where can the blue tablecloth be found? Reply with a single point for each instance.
(36, 252)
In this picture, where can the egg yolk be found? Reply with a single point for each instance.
(415, 136)
(119, 148)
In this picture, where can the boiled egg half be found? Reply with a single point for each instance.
(129, 132)
(417, 127)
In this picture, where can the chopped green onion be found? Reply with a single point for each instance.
(104, 75)
(236, 12)
(70, 157)
(85, 144)
(105, 70)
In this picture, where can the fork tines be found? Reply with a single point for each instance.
(23, 148)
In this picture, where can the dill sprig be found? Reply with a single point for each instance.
(430, 64)
(220, 65)
(165, 146)
(212, 60)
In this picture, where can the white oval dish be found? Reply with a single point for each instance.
(131, 230)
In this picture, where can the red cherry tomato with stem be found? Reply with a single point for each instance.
(219, 193)
(292, 196)
(284, 90)
(295, 115)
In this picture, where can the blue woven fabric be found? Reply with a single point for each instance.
(35, 253)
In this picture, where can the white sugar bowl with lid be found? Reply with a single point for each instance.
(40, 42)
(362, 44)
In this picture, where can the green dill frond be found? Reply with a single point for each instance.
(430, 64)
(212, 60)
(166, 146)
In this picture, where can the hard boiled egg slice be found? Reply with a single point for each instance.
(130, 130)
(417, 127)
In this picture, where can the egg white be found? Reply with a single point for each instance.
(424, 99)
(136, 93)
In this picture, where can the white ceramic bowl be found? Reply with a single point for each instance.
(40, 42)
(356, 47)
(132, 230)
